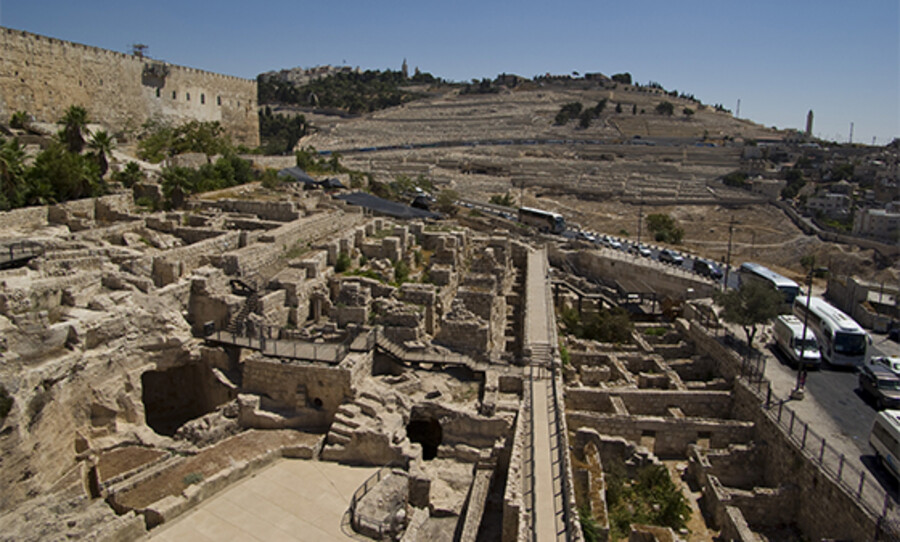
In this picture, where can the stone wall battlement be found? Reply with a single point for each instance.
(43, 76)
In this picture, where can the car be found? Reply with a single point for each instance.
(615, 244)
(891, 362)
(881, 384)
(670, 256)
(708, 269)
(640, 250)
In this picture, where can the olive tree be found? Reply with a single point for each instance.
(752, 304)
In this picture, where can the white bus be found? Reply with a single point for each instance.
(545, 221)
(885, 440)
(753, 271)
(841, 339)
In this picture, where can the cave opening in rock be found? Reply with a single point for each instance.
(178, 395)
(426, 432)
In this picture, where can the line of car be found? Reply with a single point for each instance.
(703, 267)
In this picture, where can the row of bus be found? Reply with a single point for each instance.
(842, 342)
(839, 338)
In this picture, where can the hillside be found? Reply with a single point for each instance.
(599, 176)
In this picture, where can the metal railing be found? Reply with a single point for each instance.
(815, 447)
(570, 520)
(528, 456)
(365, 524)
(20, 250)
(269, 343)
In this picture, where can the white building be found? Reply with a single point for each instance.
(878, 223)
(832, 205)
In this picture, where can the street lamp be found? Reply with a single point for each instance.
(810, 262)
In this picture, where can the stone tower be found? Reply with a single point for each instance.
(809, 121)
(404, 69)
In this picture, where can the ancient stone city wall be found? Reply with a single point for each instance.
(44, 76)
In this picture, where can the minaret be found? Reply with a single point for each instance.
(809, 120)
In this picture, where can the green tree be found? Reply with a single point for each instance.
(12, 171)
(101, 145)
(446, 202)
(664, 228)
(75, 122)
(130, 175)
(624, 78)
(59, 175)
(688, 112)
(505, 200)
(19, 120)
(752, 304)
(665, 108)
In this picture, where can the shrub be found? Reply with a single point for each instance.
(401, 272)
(130, 175)
(343, 263)
(192, 478)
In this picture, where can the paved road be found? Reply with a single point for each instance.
(835, 409)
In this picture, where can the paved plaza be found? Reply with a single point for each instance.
(292, 500)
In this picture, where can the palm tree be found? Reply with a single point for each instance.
(11, 171)
(75, 121)
(102, 145)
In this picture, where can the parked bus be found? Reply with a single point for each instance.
(753, 271)
(841, 340)
(545, 221)
(885, 440)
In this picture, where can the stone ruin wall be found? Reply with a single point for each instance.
(44, 76)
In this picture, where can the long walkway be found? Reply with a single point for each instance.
(538, 341)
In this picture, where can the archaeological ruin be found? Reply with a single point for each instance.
(157, 358)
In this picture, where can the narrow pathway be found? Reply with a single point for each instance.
(538, 344)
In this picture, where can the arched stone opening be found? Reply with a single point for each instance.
(178, 395)
(428, 433)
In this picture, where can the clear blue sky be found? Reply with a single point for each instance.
(780, 58)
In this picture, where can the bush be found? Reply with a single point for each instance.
(343, 263)
(192, 478)
(401, 272)
(664, 228)
(130, 175)
(651, 498)
(736, 179)
(665, 108)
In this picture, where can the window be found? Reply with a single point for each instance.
(188, 94)
(202, 99)
(157, 92)
(218, 100)
(174, 95)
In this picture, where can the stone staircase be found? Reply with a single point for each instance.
(365, 431)
(250, 306)
(541, 354)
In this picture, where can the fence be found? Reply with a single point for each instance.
(834, 464)
(19, 252)
(262, 340)
(559, 436)
(367, 525)
(528, 456)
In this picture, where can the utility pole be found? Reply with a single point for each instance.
(801, 372)
(728, 255)
(737, 113)
(640, 217)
